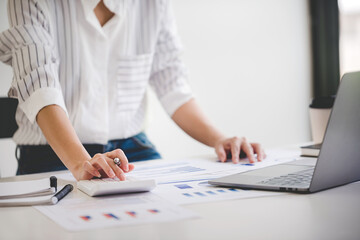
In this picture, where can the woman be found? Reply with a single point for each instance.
(81, 69)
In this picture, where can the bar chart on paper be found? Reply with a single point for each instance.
(163, 169)
(118, 215)
(200, 191)
(76, 215)
(169, 172)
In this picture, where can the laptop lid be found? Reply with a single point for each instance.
(339, 158)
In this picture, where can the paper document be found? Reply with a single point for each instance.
(27, 201)
(121, 210)
(179, 182)
(25, 188)
(186, 181)
(174, 171)
(201, 191)
(67, 177)
(163, 170)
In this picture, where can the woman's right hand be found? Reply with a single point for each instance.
(102, 165)
(61, 136)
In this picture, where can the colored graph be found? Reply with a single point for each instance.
(233, 190)
(200, 194)
(85, 218)
(111, 216)
(209, 192)
(131, 213)
(164, 170)
(153, 211)
(182, 186)
(119, 216)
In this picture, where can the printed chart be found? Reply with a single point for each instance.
(178, 182)
(84, 214)
(175, 171)
(201, 191)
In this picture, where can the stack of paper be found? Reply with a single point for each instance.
(26, 192)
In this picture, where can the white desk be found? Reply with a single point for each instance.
(331, 214)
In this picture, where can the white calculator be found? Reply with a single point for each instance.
(106, 186)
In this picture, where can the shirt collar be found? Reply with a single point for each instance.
(118, 7)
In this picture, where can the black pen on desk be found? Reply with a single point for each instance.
(62, 193)
(53, 182)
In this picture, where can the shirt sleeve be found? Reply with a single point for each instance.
(169, 75)
(28, 46)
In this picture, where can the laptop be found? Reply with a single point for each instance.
(339, 158)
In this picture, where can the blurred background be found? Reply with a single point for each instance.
(349, 35)
(250, 68)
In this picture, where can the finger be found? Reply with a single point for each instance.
(118, 153)
(99, 160)
(91, 169)
(258, 149)
(118, 171)
(131, 167)
(235, 149)
(247, 148)
(220, 152)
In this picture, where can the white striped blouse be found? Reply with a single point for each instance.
(99, 75)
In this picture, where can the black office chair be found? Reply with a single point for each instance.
(8, 124)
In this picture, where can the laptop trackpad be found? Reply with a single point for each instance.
(275, 171)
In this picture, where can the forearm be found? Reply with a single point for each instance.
(191, 119)
(62, 137)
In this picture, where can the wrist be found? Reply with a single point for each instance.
(76, 167)
(76, 170)
(217, 138)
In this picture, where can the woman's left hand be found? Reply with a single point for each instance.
(235, 145)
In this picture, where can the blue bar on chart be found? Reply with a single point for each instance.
(200, 194)
(233, 190)
(187, 195)
(182, 186)
(211, 192)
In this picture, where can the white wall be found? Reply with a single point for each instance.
(249, 63)
(250, 67)
(349, 36)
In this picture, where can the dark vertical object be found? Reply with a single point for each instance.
(325, 46)
(8, 124)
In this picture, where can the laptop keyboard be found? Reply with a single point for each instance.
(298, 179)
